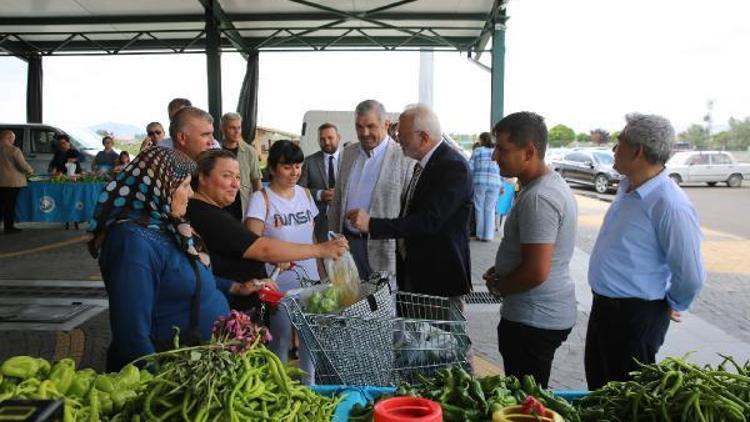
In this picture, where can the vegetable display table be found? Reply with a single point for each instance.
(57, 202)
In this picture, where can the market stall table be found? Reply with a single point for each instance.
(48, 202)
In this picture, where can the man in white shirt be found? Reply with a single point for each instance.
(373, 175)
(319, 173)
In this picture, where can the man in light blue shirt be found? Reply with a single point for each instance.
(646, 266)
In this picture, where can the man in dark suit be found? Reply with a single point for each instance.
(319, 173)
(433, 249)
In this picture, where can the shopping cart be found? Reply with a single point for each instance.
(383, 339)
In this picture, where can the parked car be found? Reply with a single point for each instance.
(37, 141)
(709, 167)
(554, 154)
(589, 167)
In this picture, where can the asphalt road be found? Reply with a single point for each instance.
(719, 208)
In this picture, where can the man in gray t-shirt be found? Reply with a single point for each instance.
(531, 269)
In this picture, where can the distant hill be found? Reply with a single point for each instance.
(120, 130)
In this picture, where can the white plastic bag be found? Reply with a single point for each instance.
(344, 275)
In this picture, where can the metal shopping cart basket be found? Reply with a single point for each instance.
(383, 339)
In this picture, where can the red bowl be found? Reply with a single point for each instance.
(271, 297)
(403, 409)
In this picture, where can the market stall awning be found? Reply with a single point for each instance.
(85, 27)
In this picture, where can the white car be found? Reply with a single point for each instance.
(709, 167)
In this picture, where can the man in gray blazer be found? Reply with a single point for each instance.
(319, 173)
(374, 174)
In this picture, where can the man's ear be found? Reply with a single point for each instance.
(640, 151)
(530, 151)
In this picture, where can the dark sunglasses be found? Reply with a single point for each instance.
(154, 132)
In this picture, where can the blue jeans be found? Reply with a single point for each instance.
(485, 201)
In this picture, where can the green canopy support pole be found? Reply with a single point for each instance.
(498, 73)
(213, 65)
(34, 89)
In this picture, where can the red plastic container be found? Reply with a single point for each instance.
(407, 409)
(271, 297)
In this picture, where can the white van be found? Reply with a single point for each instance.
(37, 143)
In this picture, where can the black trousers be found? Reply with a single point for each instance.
(358, 249)
(528, 350)
(8, 198)
(621, 331)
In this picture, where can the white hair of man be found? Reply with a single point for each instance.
(425, 120)
(654, 133)
(230, 116)
(371, 106)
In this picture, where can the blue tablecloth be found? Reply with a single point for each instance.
(57, 202)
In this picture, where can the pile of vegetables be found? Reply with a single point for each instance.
(80, 178)
(232, 378)
(211, 382)
(327, 302)
(464, 397)
(87, 395)
(674, 390)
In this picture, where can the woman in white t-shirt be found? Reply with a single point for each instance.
(286, 211)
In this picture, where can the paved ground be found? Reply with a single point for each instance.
(719, 321)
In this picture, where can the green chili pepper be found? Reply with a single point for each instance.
(129, 376)
(121, 396)
(104, 383)
(82, 383)
(62, 374)
(23, 367)
(93, 405)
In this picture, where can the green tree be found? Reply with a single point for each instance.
(583, 137)
(739, 133)
(560, 135)
(723, 139)
(697, 135)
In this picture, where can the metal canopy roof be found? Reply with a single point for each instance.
(105, 27)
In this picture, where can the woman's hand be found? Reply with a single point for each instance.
(283, 266)
(334, 248)
(252, 286)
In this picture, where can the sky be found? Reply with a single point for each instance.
(582, 63)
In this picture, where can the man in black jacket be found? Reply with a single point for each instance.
(433, 248)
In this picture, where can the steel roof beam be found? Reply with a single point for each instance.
(12, 47)
(356, 16)
(233, 17)
(148, 42)
(496, 15)
(225, 24)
